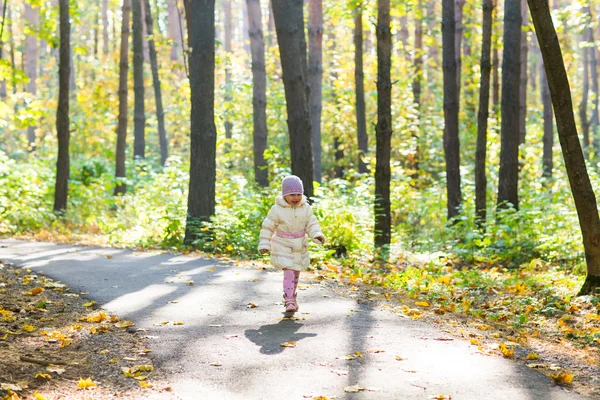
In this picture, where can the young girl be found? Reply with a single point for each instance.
(284, 233)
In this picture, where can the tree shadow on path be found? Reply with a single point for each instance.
(270, 337)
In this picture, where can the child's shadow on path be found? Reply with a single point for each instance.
(270, 337)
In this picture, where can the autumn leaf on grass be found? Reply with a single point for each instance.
(10, 386)
(34, 291)
(86, 383)
(474, 342)
(422, 303)
(507, 351)
(288, 344)
(65, 343)
(114, 319)
(43, 376)
(89, 304)
(562, 377)
(145, 385)
(11, 396)
(38, 396)
(28, 328)
(532, 356)
(483, 327)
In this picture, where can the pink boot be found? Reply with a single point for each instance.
(290, 304)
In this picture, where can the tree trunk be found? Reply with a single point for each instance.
(548, 124)
(105, 48)
(11, 42)
(271, 25)
(259, 92)
(32, 17)
(583, 193)
(418, 56)
(3, 22)
(160, 114)
(96, 34)
(315, 70)
(139, 140)
(459, 33)
(402, 35)
(200, 16)
(227, 27)
(383, 217)
(432, 27)
(289, 24)
(245, 37)
(338, 145)
(523, 74)
(62, 112)
(496, 64)
(451, 140)
(359, 78)
(175, 30)
(509, 148)
(120, 172)
(483, 114)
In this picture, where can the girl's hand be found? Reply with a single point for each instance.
(320, 239)
(264, 251)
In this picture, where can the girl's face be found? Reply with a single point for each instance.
(293, 199)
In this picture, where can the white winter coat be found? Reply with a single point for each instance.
(284, 233)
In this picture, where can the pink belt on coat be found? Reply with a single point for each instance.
(290, 235)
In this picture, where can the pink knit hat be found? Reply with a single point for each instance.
(291, 185)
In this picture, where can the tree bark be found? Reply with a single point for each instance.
(160, 113)
(483, 114)
(548, 124)
(402, 34)
(315, 70)
(509, 148)
(418, 56)
(120, 172)
(289, 24)
(175, 30)
(259, 92)
(105, 48)
(200, 16)
(32, 17)
(383, 217)
(227, 28)
(359, 78)
(451, 139)
(496, 64)
(11, 42)
(581, 187)
(523, 74)
(338, 145)
(139, 140)
(62, 112)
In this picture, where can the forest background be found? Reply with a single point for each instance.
(530, 252)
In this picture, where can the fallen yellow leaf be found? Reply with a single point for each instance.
(65, 343)
(562, 377)
(288, 344)
(216, 364)
(43, 376)
(86, 383)
(113, 360)
(34, 291)
(474, 342)
(145, 385)
(38, 396)
(532, 356)
(422, 304)
(89, 303)
(507, 351)
(399, 358)
(28, 328)
(177, 323)
(123, 324)
(56, 369)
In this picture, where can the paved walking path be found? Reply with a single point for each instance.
(150, 288)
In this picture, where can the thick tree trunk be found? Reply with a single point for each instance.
(451, 140)
(105, 48)
(581, 187)
(200, 16)
(523, 74)
(359, 78)
(120, 172)
(32, 17)
(62, 112)
(289, 23)
(259, 92)
(139, 136)
(383, 217)
(483, 114)
(509, 148)
(315, 70)
(227, 28)
(548, 124)
(160, 114)
(175, 30)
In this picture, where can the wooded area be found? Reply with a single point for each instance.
(417, 126)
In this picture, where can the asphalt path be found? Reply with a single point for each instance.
(226, 349)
